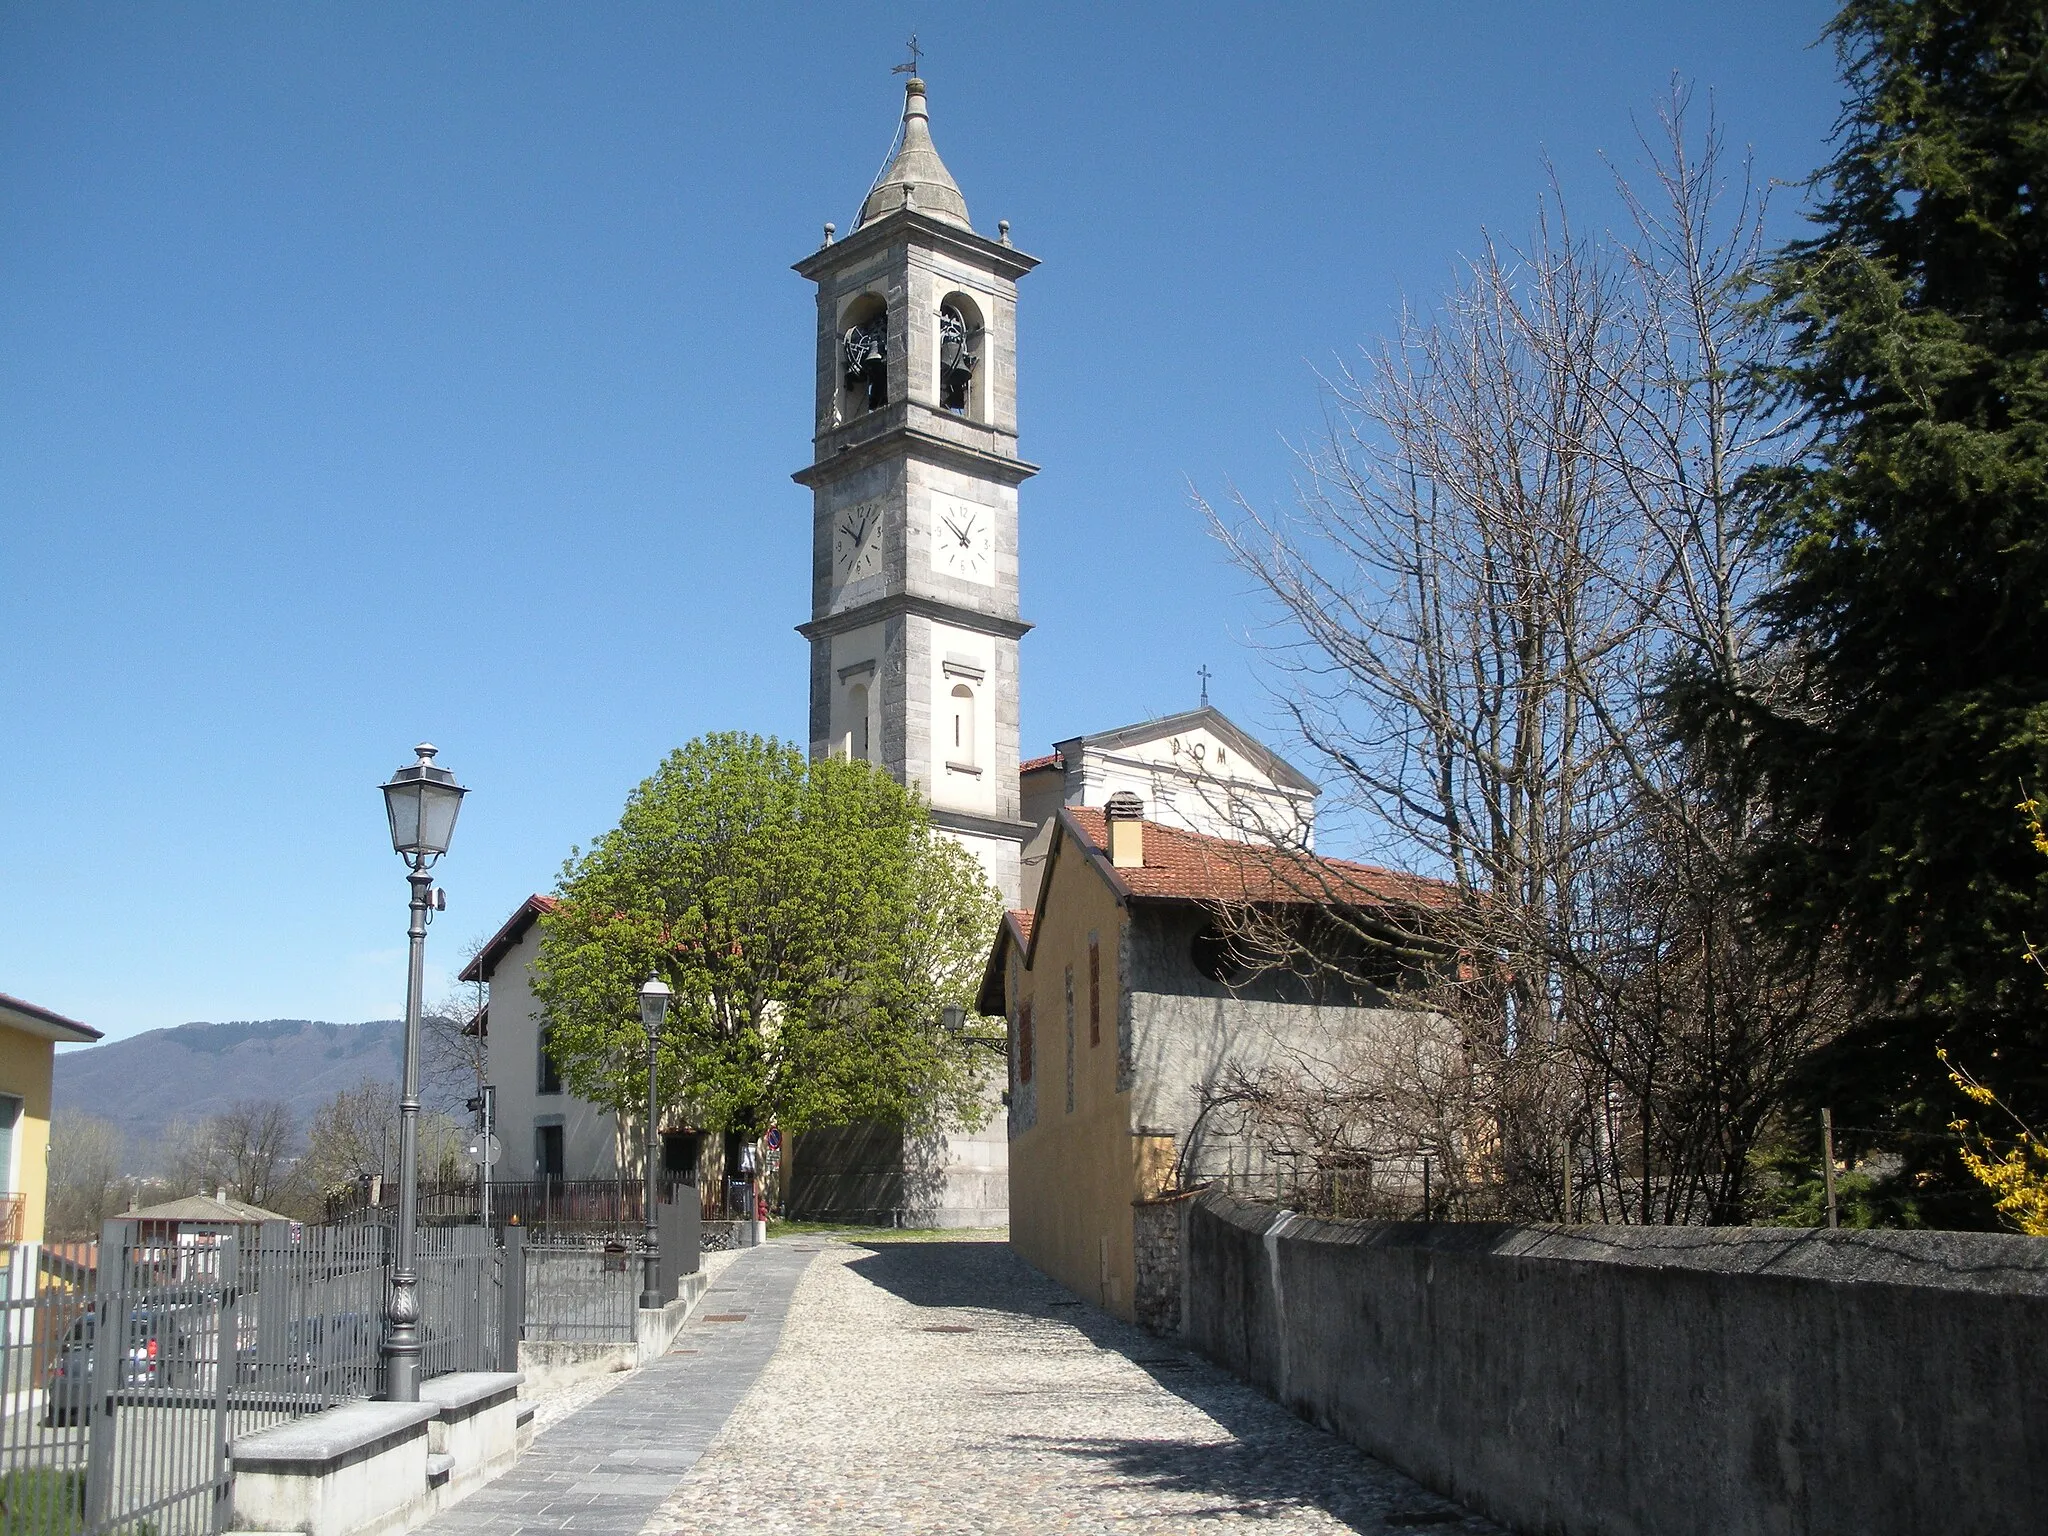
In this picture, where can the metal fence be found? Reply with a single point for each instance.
(581, 1291)
(462, 1302)
(577, 1205)
(123, 1381)
(1405, 1188)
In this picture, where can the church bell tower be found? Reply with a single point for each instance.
(914, 622)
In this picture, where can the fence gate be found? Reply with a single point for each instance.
(150, 1369)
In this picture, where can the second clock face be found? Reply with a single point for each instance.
(857, 541)
(963, 539)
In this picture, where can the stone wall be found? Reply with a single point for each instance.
(1157, 1228)
(1687, 1382)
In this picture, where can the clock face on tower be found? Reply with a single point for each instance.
(963, 539)
(857, 541)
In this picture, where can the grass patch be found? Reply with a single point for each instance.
(42, 1501)
(854, 1233)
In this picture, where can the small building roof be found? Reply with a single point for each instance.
(1189, 866)
(202, 1208)
(41, 1022)
(1184, 866)
(505, 938)
(918, 170)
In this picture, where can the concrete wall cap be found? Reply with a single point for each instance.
(329, 1436)
(469, 1390)
(1996, 1262)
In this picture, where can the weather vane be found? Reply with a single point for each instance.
(1204, 674)
(916, 53)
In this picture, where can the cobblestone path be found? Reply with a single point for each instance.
(605, 1467)
(943, 1387)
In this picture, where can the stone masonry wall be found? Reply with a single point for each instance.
(1157, 1227)
(1687, 1382)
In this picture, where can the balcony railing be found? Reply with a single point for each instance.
(13, 1217)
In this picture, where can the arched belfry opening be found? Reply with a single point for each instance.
(864, 355)
(960, 353)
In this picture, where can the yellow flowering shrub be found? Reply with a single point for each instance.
(2017, 1172)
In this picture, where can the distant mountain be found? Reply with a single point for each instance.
(147, 1082)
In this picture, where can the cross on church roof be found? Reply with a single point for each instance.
(916, 53)
(1204, 674)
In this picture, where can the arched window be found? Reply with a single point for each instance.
(960, 349)
(961, 747)
(858, 745)
(864, 356)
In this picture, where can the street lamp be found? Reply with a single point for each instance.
(422, 801)
(654, 998)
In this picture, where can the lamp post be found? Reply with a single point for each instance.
(422, 800)
(654, 996)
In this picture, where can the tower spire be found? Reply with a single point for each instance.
(917, 178)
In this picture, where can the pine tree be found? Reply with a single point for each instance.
(1914, 599)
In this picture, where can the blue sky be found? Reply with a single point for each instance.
(381, 372)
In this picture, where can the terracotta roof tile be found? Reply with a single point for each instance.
(514, 930)
(1033, 764)
(1188, 866)
(1023, 921)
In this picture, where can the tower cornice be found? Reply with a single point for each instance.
(896, 603)
(1005, 260)
(904, 439)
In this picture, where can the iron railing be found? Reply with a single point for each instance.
(126, 1372)
(579, 1205)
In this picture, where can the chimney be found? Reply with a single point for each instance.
(1125, 813)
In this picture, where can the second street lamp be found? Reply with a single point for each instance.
(422, 801)
(654, 998)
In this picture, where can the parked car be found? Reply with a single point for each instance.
(158, 1350)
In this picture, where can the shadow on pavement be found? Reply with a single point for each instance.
(1274, 1462)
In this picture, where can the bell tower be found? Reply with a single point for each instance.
(914, 623)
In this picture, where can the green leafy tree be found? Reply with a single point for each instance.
(1913, 605)
(812, 925)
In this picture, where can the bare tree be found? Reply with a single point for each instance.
(1525, 546)
(247, 1150)
(85, 1186)
(453, 1049)
(355, 1139)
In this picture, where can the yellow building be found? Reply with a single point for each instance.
(29, 1037)
(1125, 1006)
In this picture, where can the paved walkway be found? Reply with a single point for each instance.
(606, 1467)
(946, 1387)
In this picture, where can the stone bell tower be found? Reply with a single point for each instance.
(914, 623)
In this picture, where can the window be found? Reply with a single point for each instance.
(679, 1155)
(1094, 990)
(962, 749)
(857, 746)
(10, 1117)
(547, 1152)
(550, 1074)
(864, 356)
(960, 351)
(1024, 1042)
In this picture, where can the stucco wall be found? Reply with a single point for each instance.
(1073, 1163)
(25, 1067)
(589, 1137)
(1682, 1382)
(1188, 1032)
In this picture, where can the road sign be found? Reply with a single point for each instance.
(484, 1150)
(774, 1139)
